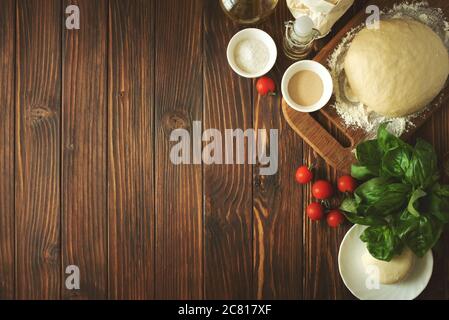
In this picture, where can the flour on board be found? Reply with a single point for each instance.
(355, 114)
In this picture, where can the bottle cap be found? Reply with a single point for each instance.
(304, 26)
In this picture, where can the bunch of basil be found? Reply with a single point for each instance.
(400, 201)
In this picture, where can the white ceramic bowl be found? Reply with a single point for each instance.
(354, 276)
(321, 71)
(252, 33)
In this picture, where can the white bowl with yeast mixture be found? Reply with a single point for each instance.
(251, 53)
(307, 86)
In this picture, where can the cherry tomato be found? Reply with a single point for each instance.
(322, 190)
(315, 211)
(303, 175)
(265, 85)
(335, 218)
(347, 184)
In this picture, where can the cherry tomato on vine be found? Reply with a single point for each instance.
(315, 211)
(335, 218)
(322, 190)
(266, 85)
(304, 175)
(347, 184)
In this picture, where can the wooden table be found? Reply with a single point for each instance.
(85, 173)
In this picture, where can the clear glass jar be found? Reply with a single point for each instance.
(248, 12)
(299, 38)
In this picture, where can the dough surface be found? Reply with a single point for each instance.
(398, 69)
(394, 271)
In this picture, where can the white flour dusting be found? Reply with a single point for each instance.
(355, 114)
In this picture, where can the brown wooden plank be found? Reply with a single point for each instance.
(7, 23)
(178, 97)
(84, 157)
(38, 108)
(277, 199)
(227, 188)
(130, 141)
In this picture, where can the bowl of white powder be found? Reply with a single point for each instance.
(252, 53)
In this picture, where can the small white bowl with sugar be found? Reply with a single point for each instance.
(252, 53)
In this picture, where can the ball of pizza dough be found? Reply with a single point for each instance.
(393, 271)
(398, 69)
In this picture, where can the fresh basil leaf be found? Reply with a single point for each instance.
(371, 221)
(364, 173)
(437, 203)
(412, 208)
(349, 205)
(423, 169)
(404, 223)
(439, 207)
(381, 242)
(369, 158)
(388, 141)
(395, 162)
(382, 197)
(369, 153)
(420, 234)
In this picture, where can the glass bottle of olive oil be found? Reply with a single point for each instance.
(248, 12)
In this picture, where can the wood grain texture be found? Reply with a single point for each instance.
(130, 149)
(90, 112)
(7, 243)
(277, 199)
(227, 188)
(38, 138)
(84, 157)
(178, 96)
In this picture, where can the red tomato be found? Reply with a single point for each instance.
(265, 85)
(303, 175)
(322, 190)
(335, 218)
(315, 211)
(347, 184)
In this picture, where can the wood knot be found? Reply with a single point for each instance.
(175, 120)
(51, 254)
(38, 114)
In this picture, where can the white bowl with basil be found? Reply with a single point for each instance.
(400, 210)
(363, 281)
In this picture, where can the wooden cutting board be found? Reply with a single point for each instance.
(314, 134)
